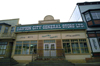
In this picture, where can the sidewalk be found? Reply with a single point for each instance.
(87, 64)
(20, 64)
(76, 64)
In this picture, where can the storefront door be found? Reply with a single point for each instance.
(50, 49)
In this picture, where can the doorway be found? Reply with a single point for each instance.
(10, 49)
(49, 49)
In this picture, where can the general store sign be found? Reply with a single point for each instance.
(61, 26)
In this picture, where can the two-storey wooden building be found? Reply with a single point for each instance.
(51, 38)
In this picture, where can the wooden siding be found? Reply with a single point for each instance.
(40, 47)
(90, 23)
(97, 21)
(59, 47)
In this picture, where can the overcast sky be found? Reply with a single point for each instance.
(31, 11)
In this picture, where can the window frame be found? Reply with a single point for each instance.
(96, 15)
(22, 47)
(79, 47)
(12, 29)
(4, 49)
(6, 29)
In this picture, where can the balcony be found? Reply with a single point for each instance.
(7, 36)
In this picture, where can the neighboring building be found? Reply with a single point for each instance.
(89, 12)
(7, 36)
(50, 38)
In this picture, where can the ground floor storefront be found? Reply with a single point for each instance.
(73, 45)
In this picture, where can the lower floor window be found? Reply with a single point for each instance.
(26, 47)
(3, 46)
(75, 46)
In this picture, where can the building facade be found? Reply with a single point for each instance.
(50, 38)
(89, 12)
(7, 36)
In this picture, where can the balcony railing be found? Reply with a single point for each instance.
(8, 35)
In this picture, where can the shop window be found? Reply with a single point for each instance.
(66, 47)
(3, 46)
(75, 46)
(33, 47)
(6, 30)
(27, 47)
(83, 46)
(18, 47)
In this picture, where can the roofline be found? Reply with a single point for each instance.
(89, 3)
(9, 19)
(50, 23)
(5, 24)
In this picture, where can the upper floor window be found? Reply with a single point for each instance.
(6, 30)
(0, 28)
(87, 16)
(12, 29)
(95, 14)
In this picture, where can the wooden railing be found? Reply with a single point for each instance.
(12, 35)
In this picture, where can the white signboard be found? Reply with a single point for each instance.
(94, 45)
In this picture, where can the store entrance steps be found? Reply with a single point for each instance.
(7, 62)
(51, 63)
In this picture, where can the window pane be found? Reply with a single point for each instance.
(25, 49)
(82, 50)
(69, 50)
(25, 41)
(19, 42)
(49, 41)
(81, 45)
(84, 47)
(0, 51)
(87, 16)
(46, 46)
(75, 48)
(33, 48)
(86, 50)
(95, 14)
(66, 47)
(6, 30)
(3, 51)
(33, 41)
(52, 46)
(73, 45)
(85, 44)
(18, 49)
(5, 46)
(12, 29)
